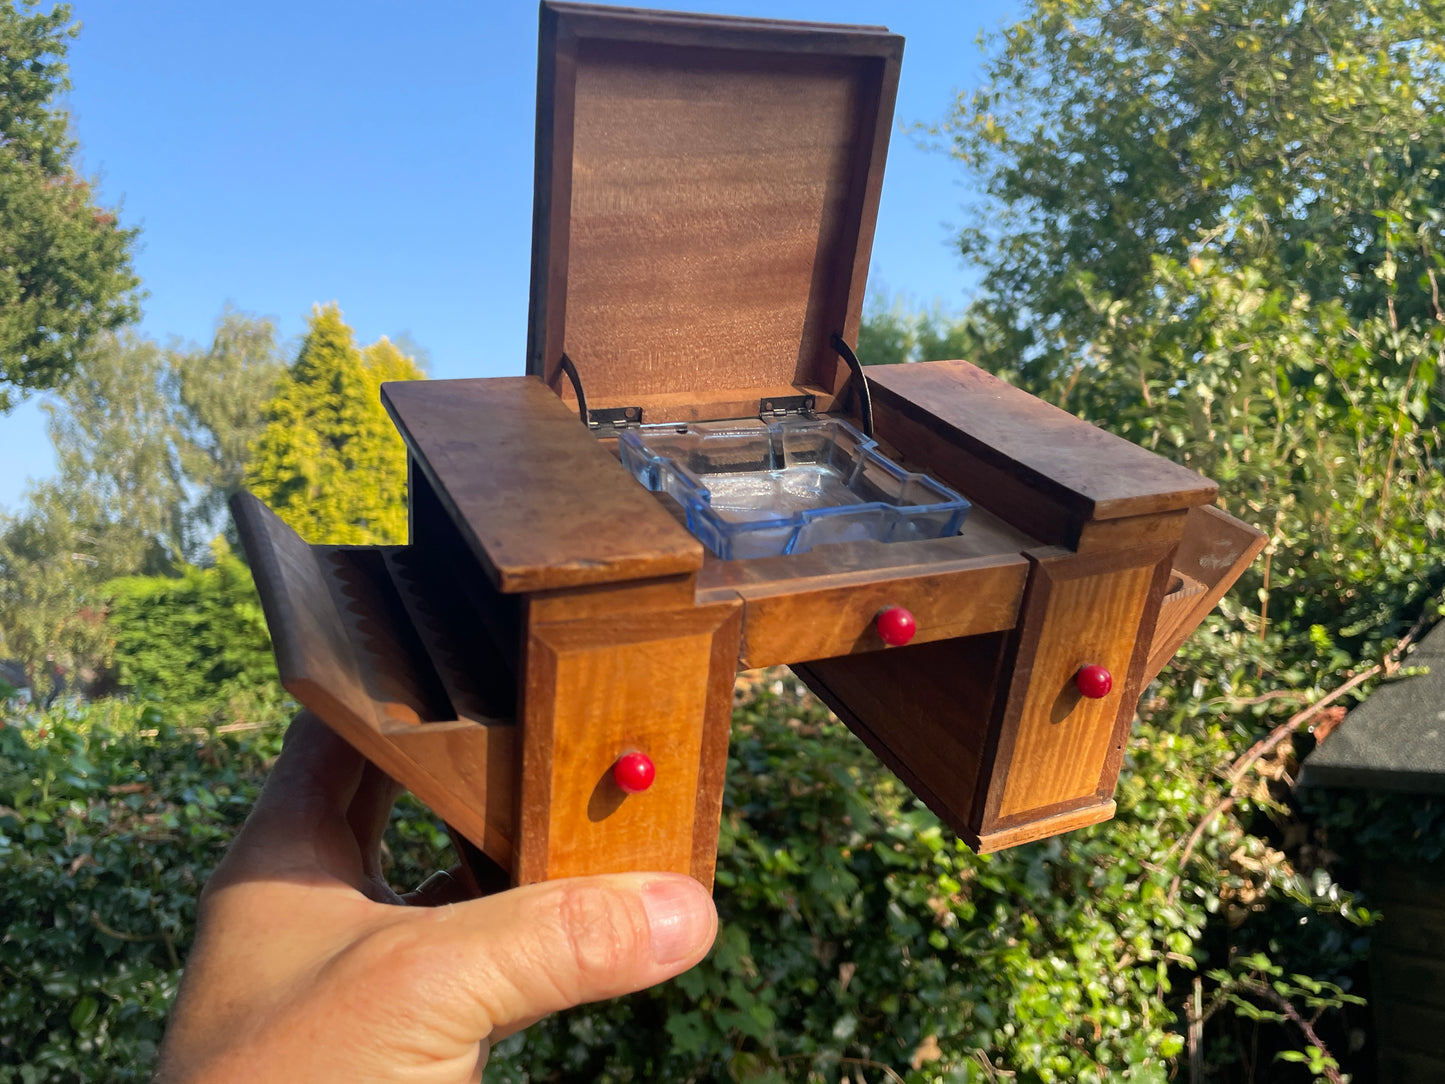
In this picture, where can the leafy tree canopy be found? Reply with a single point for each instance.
(1216, 228)
(893, 332)
(330, 462)
(221, 391)
(65, 272)
(149, 441)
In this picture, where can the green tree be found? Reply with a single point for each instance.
(894, 331)
(1215, 229)
(115, 508)
(65, 272)
(118, 444)
(148, 441)
(330, 462)
(50, 619)
(222, 391)
(1173, 247)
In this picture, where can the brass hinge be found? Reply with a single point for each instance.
(782, 406)
(610, 419)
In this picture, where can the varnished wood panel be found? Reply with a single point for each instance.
(599, 687)
(1178, 605)
(539, 502)
(924, 710)
(1215, 551)
(1158, 528)
(1041, 827)
(836, 615)
(706, 193)
(636, 596)
(1032, 464)
(467, 774)
(350, 672)
(307, 633)
(1058, 750)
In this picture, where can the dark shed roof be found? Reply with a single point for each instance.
(1395, 739)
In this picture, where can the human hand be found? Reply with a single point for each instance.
(306, 967)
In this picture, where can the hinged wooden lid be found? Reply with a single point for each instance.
(706, 193)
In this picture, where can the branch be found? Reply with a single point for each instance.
(1260, 989)
(1262, 748)
(138, 938)
(1269, 744)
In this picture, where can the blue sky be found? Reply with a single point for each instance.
(379, 154)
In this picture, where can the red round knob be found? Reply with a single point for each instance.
(634, 772)
(1094, 681)
(896, 626)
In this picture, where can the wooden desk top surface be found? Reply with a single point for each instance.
(539, 500)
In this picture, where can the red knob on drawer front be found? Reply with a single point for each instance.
(634, 772)
(1094, 681)
(896, 626)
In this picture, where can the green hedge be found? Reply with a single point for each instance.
(858, 936)
(192, 638)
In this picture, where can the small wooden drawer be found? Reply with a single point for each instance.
(788, 622)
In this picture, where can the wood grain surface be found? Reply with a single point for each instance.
(925, 710)
(1041, 827)
(1030, 463)
(705, 200)
(354, 672)
(1058, 751)
(541, 504)
(655, 682)
(790, 622)
(1215, 551)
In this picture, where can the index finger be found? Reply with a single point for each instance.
(299, 829)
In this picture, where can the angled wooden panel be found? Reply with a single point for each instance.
(924, 710)
(1215, 551)
(346, 650)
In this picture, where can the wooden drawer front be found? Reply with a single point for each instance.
(836, 615)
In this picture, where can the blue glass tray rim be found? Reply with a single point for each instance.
(699, 497)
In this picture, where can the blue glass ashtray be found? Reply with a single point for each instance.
(760, 489)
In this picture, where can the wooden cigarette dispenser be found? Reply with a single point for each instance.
(549, 662)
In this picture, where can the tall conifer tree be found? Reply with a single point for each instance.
(330, 462)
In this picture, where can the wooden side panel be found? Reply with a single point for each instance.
(1215, 551)
(1033, 465)
(311, 643)
(924, 710)
(1175, 610)
(1031, 831)
(595, 688)
(1057, 750)
(467, 775)
(340, 651)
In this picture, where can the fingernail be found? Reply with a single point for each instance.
(679, 915)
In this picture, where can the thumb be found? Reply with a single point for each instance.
(522, 954)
